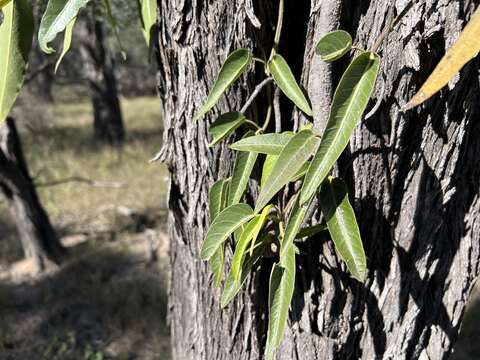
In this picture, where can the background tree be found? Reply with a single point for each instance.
(39, 239)
(99, 69)
(412, 178)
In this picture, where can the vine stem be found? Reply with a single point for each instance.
(278, 29)
(255, 94)
(383, 35)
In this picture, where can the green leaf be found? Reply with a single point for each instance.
(148, 16)
(293, 226)
(16, 35)
(283, 76)
(242, 170)
(225, 125)
(235, 65)
(57, 16)
(301, 173)
(3, 3)
(311, 230)
(343, 227)
(268, 165)
(249, 235)
(282, 285)
(270, 144)
(289, 162)
(232, 286)
(216, 203)
(67, 42)
(349, 103)
(334, 45)
(224, 224)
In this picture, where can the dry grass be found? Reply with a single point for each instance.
(108, 301)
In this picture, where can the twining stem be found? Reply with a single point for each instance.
(255, 94)
(391, 26)
(254, 124)
(278, 29)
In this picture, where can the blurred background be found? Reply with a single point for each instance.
(87, 135)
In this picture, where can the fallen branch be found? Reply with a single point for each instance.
(90, 182)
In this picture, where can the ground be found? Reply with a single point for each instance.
(108, 301)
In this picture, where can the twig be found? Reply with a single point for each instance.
(391, 26)
(38, 71)
(277, 111)
(255, 94)
(90, 182)
(378, 103)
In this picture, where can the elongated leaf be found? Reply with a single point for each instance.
(224, 224)
(148, 15)
(232, 286)
(311, 230)
(67, 42)
(249, 235)
(334, 45)
(343, 227)
(465, 49)
(57, 16)
(242, 170)
(3, 3)
(225, 125)
(283, 76)
(282, 285)
(16, 35)
(216, 203)
(349, 103)
(268, 165)
(270, 144)
(293, 227)
(289, 162)
(235, 65)
(301, 173)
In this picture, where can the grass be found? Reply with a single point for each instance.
(108, 301)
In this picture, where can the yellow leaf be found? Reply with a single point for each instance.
(465, 49)
(3, 3)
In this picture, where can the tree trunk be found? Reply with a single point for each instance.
(39, 240)
(100, 74)
(413, 179)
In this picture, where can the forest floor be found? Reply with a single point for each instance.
(109, 299)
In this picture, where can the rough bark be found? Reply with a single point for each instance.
(100, 73)
(413, 178)
(39, 240)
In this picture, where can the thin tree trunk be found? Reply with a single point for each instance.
(100, 73)
(39, 240)
(413, 179)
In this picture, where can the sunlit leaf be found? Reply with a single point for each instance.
(268, 165)
(223, 226)
(334, 45)
(249, 235)
(67, 42)
(216, 203)
(242, 170)
(343, 227)
(289, 162)
(232, 286)
(349, 103)
(465, 49)
(285, 80)
(148, 15)
(16, 35)
(225, 125)
(57, 16)
(236, 63)
(271, 144)
(282, 285)
(3, 3)
(293, 227)
(301, 173)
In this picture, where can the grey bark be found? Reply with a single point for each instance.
(413, 177)
(39, 240)
(99, 70)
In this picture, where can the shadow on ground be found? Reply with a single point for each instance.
(106, 304)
